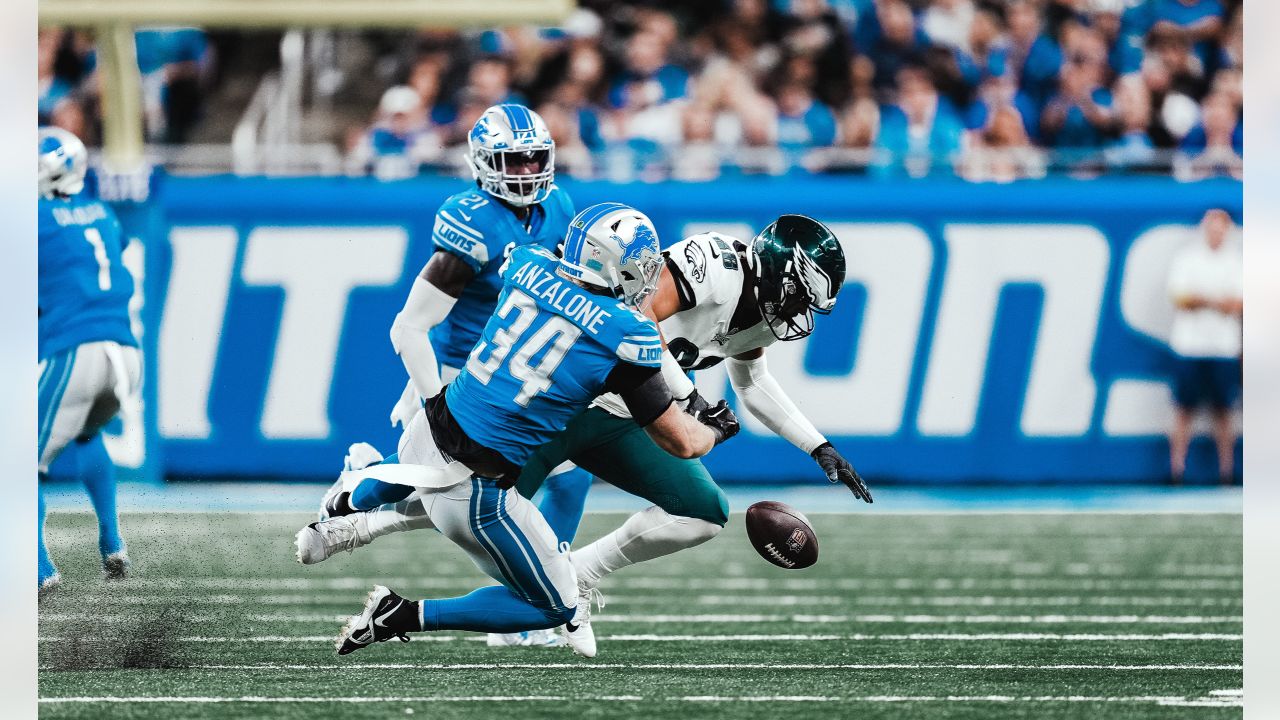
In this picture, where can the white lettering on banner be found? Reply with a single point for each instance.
(191, 327)
(1069, 262)
(1144, 407)
(892, 261)
(739, 230)
(318, 267)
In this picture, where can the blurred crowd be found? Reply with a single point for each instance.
(173, 63)
(985, 89)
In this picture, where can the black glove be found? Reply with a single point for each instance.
(720, 419)
(695, 404)
(839, 470)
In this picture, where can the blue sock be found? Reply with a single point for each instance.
(371, 493)
(98, 474)
(563, 498)
(45, 565)
(490, 609)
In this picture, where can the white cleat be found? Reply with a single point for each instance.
(528, 638)
(578, 634)
(320, 541)
(49, 584)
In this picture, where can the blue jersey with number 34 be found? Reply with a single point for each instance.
(544, 356)
(84, 287)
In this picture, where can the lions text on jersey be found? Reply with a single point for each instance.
(84, 288)
(480, 230)
(545, 354)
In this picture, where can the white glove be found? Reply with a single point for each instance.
(406, 407)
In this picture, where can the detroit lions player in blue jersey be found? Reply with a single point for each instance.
(89, 360)
(565, 331)
(515, 202)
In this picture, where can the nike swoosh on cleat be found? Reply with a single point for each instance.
(378, 620)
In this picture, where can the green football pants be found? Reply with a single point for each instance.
(619, 452)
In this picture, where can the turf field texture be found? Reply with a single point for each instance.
(920, 616)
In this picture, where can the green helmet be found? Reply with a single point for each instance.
(799, 268)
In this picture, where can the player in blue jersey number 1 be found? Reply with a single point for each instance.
(89, 362)
(565, 331)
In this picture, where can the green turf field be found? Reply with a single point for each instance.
(921, 616)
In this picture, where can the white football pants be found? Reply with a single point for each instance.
(502, 532)
(80, 390)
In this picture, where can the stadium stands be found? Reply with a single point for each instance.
(983, 89)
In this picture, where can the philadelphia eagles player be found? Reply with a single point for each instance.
(719, 299)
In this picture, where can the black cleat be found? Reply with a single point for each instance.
(386, 615)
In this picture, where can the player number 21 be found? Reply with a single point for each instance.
(557, 331)
(100, 254)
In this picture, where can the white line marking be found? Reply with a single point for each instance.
(960, 637)
(1068, 584)
(720, 619)
(930, 619)
(708, 666)
(1168, 700)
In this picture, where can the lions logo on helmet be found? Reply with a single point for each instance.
(63, 163)
(511, 154)
(613, 247)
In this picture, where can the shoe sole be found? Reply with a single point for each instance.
(364, 617)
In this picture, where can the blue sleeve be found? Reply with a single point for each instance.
(456, 232)
(640, 344)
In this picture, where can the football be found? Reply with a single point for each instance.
(782, 535)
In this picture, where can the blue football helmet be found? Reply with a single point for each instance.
(614, 247)
(63, 163)
(507, 136)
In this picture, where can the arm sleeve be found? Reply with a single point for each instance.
(454, 233)
(642, 389)
(641, 344)
(676, 378)
(761, 394)
(426, 307)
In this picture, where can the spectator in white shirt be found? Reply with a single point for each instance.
(1206, 287)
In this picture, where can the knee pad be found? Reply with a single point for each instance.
(710, 505)
(701, 530)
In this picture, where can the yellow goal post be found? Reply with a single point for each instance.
(113, 22)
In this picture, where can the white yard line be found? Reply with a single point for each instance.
(709, 666)
(1167, 700)
(1048, 582)
(721, 619)
(858, 637)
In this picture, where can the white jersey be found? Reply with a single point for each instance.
(710, 278)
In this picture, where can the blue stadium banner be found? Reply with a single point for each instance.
(986, 332)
